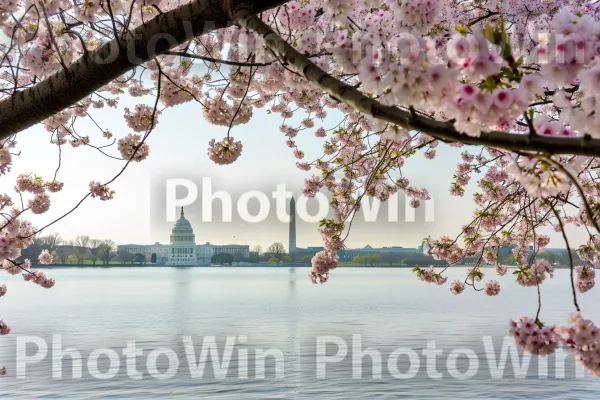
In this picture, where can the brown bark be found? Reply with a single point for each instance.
(438, 129)
(97, 68)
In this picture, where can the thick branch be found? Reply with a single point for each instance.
(438, 129)
(214, 60)
(95, 69)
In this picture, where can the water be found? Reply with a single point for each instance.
(279, 309)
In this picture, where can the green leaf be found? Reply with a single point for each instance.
(520, 61)
(488, 33)
(463, 30)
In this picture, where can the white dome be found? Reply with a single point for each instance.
(182, 231)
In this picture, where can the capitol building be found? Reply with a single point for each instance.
(183, 250)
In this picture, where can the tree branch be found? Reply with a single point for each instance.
(214, 60)
(442, 130)
(97, 68)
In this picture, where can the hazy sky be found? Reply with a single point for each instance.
(178, 149)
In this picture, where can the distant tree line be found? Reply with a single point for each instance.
(377, 259)
(80, 251)
(84, 250)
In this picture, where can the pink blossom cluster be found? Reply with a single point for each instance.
(338, 10)
(27, 183)
(15, 235)
(492, 288)
(538, 179)
(39, 204)
(571, 56)
(548, 127)
(11, 267)
(457, 287)
(97, 189)
(490, 257)
(585, 279)
(220, 112)
(322, 263)
(474, 274)
(5, 158)
(54, 186)
(581, 338)
(39, 278)
(429, 275)
(475, 109)
(132, 148)
(447, 249)
(225, 151)
(178, 90)
(4, 328)
(45, 257)
(533, 275)
(331, 234)
(590, 252)
(419, 15)
(501, 269)
(3, 290)
(45, 55)
(142, 119)
(533, 338)
(136, 89)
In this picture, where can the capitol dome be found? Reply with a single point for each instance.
(182, 231)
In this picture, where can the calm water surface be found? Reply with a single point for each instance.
(386, 309)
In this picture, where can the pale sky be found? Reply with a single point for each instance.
(178, 149)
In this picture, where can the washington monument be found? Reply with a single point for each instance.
(292, 235)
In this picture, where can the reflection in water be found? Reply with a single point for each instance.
(373, 311)
(182, 296)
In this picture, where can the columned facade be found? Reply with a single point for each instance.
(183, 250)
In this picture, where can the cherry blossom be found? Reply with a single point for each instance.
(102, 191)
(585, 278)
(40, 203)
(581, 340)
(39, 278)
(142, 118)
(533, 275)
(532, 338)
(4, 328)
(224, 152)
(132, 148)
(322, 263)
(475, 274)
(492, 288)
(457, 287)
(45, 257)
(501, 269)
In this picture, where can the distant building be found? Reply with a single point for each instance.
(183, 250)
(349, 254)
(309, 251)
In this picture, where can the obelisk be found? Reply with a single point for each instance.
(292, 234)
